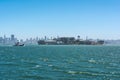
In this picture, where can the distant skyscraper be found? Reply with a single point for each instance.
(12, 37)
(4, 36)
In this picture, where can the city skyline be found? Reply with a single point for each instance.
(13, 40)
(39, 18)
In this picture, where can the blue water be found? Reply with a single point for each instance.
(60, 62)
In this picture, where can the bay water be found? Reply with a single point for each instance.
(60, 62)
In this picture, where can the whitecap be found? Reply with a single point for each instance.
(92, 60)
(37, 66)
(50, 65)
(72, 72)
(45, 59)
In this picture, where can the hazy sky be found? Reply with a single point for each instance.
(31, 18)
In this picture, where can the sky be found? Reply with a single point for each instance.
(97, 19)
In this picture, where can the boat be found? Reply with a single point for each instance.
(18, 44)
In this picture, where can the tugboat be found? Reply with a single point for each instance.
(18, 44)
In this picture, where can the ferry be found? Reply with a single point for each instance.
(18, 44)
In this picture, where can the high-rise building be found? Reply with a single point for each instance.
(12, 37)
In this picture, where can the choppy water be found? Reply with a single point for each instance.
(60, 63)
